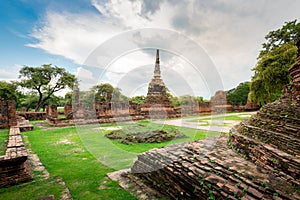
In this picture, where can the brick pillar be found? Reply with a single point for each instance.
(67, 109)
(51, 111)
(11, 108)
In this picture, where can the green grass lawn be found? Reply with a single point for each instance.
(33, 190)
(4, 135)
(63, 154)
(228, 116)
(82, 157)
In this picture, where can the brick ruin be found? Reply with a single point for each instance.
(220, 103)
(102, 112)
(13, 166)
(7, 113)
(259, 159)
(157, 104)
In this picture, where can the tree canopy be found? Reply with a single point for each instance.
(45, 80)
(239, 95)
(8, 91)
(138, 99)
(271, 71)
(106, 92)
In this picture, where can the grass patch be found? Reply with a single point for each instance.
(230, 116)
(82, 156)
(33, 190)
(4, 136)
(63, 154)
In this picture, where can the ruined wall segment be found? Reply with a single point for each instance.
(13, 166)
(275, 129)
(7, 113)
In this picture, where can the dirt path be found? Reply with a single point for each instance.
(214, 124)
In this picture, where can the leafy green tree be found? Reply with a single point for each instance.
(188, 100)
(289, 32)
(69, 98)
(8, 91)
(239, 95)
(87, 98)
(271, 74)
(173, 99)
(101, 92)
(271, 70)
(45, 80)
(138, 99)
(199, 99)
(29, 101)
(185, 100)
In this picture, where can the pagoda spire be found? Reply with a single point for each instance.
(157, 65)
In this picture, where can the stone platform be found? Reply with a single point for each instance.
(210, 168)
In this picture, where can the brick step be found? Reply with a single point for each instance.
(281, 110)
(292, 130)
(283, 142)
(265, 155)
(283, 118)
(209, 168)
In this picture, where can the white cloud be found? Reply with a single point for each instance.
(9, 74)
(231, 32)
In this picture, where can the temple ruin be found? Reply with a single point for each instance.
(13, 166)
(7, 113)
(259, 159)
(157, 104)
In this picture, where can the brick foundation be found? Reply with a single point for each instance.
(13, 166)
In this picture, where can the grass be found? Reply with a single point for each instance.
(63, 154)
(4, 135)
(82, 157)
(123, 156)
(192, 134)
(33, 190)
(228, 116)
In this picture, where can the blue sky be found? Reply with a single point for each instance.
(17, 20)
(66, 32)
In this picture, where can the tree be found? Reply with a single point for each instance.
(271, 74)
(8, 91)
(29, 101)
(289, 32)
(239, 95)
(69, 98)
(45, 80)
(188, 100)
(271, 71)
(138, 99)
(106, 92)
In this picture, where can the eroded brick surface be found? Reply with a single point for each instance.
(13, 166)
(259, 159)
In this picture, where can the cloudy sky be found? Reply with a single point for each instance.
(205, 45)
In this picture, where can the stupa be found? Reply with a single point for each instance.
(157, 104)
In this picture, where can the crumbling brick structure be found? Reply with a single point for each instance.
(258, 160)
(157, 104)
(13, 166)
(220, 103)
(7, 113)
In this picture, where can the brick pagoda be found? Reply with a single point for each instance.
(157, 104)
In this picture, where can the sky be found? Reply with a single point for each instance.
(205, 45)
